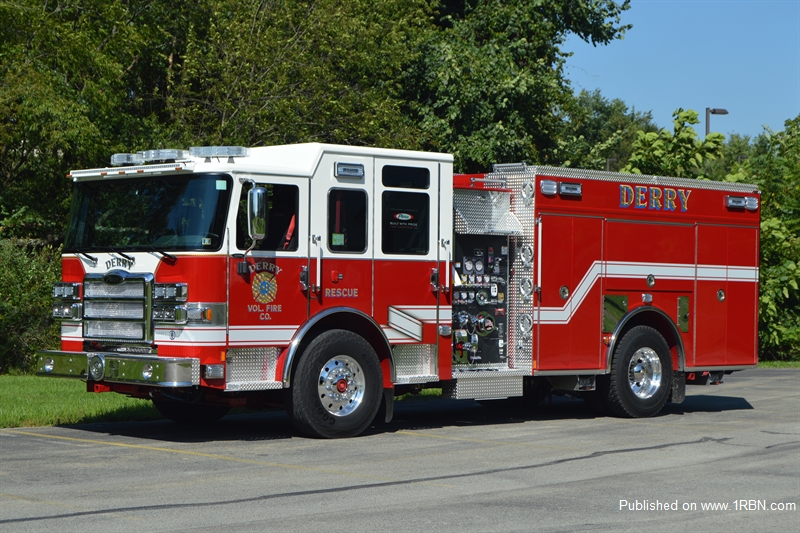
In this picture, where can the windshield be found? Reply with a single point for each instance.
(159, 213)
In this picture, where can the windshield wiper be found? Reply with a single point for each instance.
(84, 254)
(171, 257)
(113, 249)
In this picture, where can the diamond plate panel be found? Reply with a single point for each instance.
(484, 212)
(490, 386)
(599, 175)
(520, 180)
(252, 369)
(415, 363)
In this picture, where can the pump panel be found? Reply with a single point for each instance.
(480, 296)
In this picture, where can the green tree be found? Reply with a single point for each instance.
(258, 73)
(488, 84)
(735, 150)
(26, 285)
(78, 80)
(600, 132)
(679, 153)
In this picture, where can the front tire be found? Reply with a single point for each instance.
(641, 374)
(337, 386)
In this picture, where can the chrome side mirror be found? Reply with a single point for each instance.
(257, 211)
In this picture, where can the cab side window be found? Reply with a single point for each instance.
(283, 222)
(406, 214)
(347, 220)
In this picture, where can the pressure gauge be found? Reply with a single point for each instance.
(479, 266)
(468, 265)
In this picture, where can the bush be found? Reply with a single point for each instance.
(26, 280)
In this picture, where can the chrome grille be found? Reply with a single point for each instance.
(120, 309)
(126, 289)
(114, 329)
(101, 309)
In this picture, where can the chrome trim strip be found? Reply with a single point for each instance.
(719, 368)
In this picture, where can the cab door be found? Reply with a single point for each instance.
(407, 250)
(341, 248)
(267, 303)
(568, 306)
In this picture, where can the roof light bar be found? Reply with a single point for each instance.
(164, 155)
(119, 160)
(219, 151)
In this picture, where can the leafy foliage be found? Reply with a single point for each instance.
(325, 71)
(26, 282)
(600, 133)
(488, 84)
(680, 153)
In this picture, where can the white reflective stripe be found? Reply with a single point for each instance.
(193, 336)
(611, 269)
(712, 273)
(423, 313)
(248, 335)
(397, 337)
(663, 271)
(406, 323)
(742, 274)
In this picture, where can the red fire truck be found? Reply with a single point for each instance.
(329, 279)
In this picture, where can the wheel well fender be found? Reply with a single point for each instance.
(339, 318)
(656, 319)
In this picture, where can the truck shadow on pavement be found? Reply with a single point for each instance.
(409, 415)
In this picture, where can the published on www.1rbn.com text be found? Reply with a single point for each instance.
(735, 505)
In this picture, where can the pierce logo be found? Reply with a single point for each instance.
(404, 216)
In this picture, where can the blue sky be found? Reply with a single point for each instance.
(740, 55)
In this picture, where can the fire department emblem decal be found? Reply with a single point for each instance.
(265, 287)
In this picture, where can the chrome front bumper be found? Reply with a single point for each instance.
(118, 368)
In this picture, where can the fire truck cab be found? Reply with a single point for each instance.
(328, 279)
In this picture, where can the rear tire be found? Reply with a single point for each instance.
(337, 387)
(190, 413)
(641, 374)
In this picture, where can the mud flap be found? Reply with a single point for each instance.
(386, 410)
(678, 392)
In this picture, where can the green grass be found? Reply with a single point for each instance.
(27, 401)
(779, 364)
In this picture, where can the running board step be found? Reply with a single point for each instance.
(483, 385)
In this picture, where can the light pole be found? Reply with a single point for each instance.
(713, 111)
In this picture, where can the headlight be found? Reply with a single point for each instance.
(97, 367)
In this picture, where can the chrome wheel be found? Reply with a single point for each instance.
(644, 373)
(341, 385)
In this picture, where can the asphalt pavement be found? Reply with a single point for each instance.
(727, 459)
